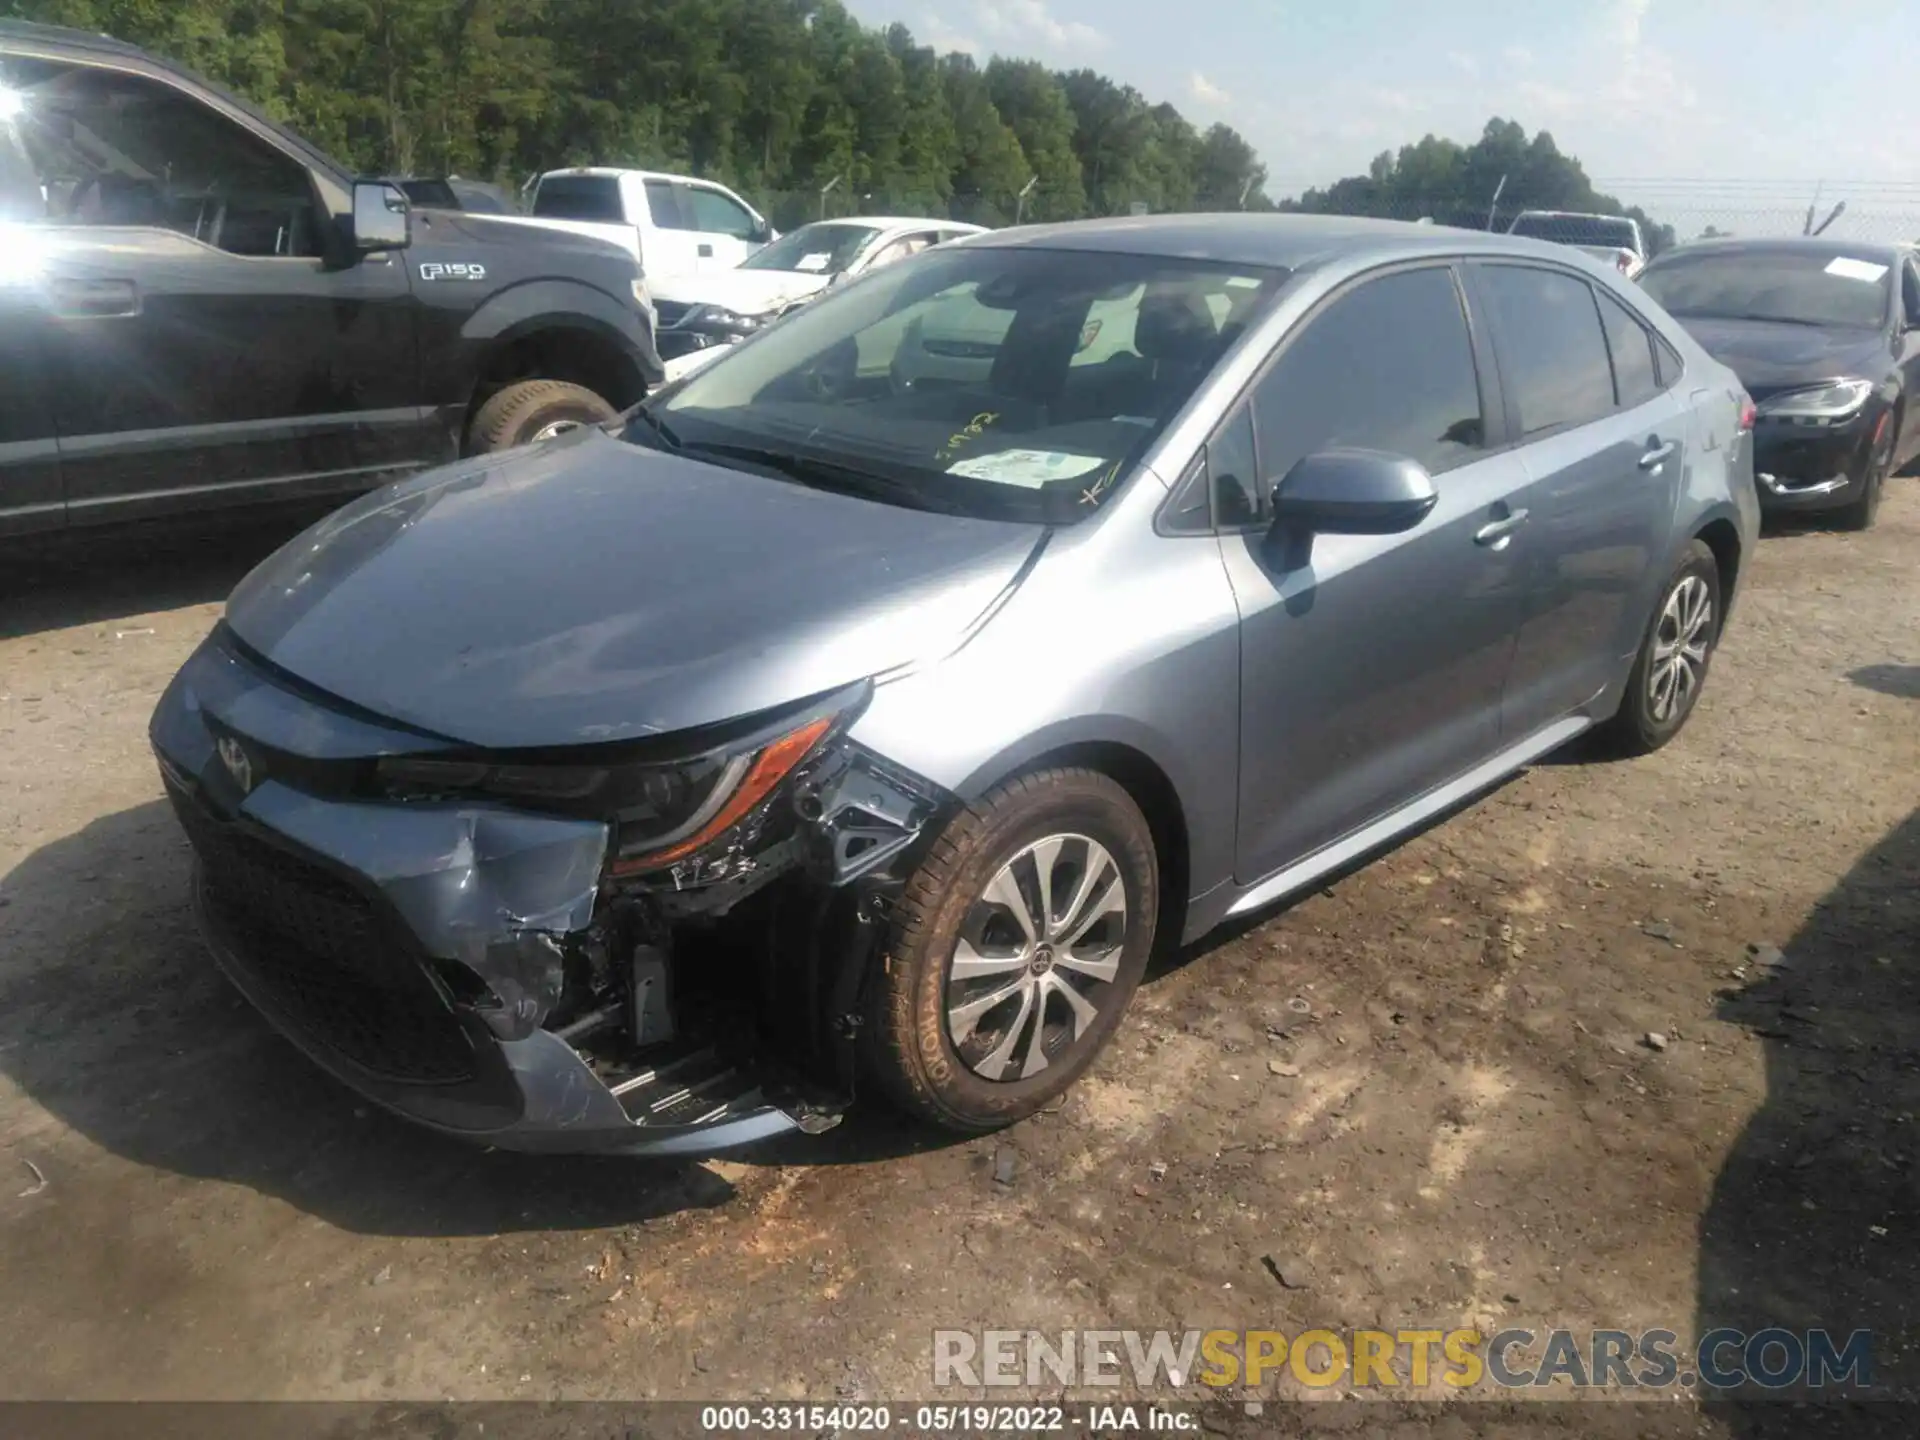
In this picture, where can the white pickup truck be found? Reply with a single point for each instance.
(1612, 239)
(672, 224)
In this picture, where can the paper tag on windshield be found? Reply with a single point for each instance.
(813, 262)
(1029, 469)
(1855, 269)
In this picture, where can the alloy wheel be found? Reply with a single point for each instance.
(553, 428)
(1036, 958)
(1680, 646)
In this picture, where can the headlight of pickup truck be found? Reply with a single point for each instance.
(661, 812)
(1837, 400)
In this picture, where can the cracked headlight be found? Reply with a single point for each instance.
(1836, 400)
(718, 317)
(661, 812)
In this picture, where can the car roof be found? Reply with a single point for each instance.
(28, 30)
(1818, 246)
(901, 222)
(1288, 241)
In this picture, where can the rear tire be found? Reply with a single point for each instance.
(975, 921)
(1671, 669)
(530, 410)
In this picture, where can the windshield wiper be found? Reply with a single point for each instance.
(827, 475)
(654, 423)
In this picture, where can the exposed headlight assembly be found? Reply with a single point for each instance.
(1836, 400)
(718, 317)
(661, 811)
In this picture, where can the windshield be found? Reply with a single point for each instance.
(1000, 382)
(579, 197)
(1579, 230)
(820, 249)
(1800, 288)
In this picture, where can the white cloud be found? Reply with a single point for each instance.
(1517, 55)
(1463, 62)
(1030, 21)
(1206, 92)
(935, 31)
(1627, 18)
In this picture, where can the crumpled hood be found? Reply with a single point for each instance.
(745, 292)
(1770, 357)
(590, 590)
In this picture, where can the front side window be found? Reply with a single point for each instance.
(1386, 366)
(1787, 287)
(717, 214)
(950, 381)
(900, 249)
(112, 149)
(1634, 378)
(1553, 355)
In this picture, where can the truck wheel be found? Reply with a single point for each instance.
(1014, 950)
(531, 410)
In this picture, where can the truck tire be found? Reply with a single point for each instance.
(1013, 951)
(530, 410)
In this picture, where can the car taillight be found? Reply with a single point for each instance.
(1747, 412)
(1623, 262)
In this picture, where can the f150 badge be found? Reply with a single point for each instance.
(452, 270)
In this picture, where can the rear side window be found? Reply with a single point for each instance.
(1553, 355)
(1635, 380)
(664, 204)
(579, 197)
(1386, 366)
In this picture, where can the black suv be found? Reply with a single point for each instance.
(200, 310)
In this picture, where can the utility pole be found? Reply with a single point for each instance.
(1832, 216)
(1493, 205)
(1807, 228)
(1020, 205)
(824, 189)
(1246, 190)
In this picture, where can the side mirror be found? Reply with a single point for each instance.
(762, 233)
(382, 219)
(1353, 492)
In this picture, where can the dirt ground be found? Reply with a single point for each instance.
(1479, 1131)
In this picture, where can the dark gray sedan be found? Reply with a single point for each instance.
(864, 710)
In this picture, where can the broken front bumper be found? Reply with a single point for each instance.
(416, 950)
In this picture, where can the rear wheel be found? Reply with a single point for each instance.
(1865, 507)
(1014, 951)
(531, 410)
(1671, 668)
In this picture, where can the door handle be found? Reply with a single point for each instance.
(705, 252)
(95, 299)
(1657, 456)
(1496, 533)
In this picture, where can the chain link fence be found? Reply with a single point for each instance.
(1680, 212)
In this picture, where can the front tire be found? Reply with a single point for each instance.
(1861, 512)
(1014, 950)
(531, 410)
(1671, 668)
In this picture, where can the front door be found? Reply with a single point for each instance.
(201, 350)
(1604, 446)
(1372, 666)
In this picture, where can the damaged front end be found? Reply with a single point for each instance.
(658, 947)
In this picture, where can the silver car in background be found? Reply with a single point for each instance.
(847, 720)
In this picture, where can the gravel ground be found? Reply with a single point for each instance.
(1427, 1094)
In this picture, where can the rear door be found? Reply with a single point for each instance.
(1604, 445)
(1371, 669)
(200, 350)
(30, 497)
(670, 246)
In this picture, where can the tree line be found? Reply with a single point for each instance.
(777, 98)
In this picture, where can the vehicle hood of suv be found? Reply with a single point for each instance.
(745, 292)
(589, 590)
(1770, 357)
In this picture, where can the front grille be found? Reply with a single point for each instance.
(671, 312)
(326, 961)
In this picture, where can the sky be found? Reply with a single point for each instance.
(1701, 106)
